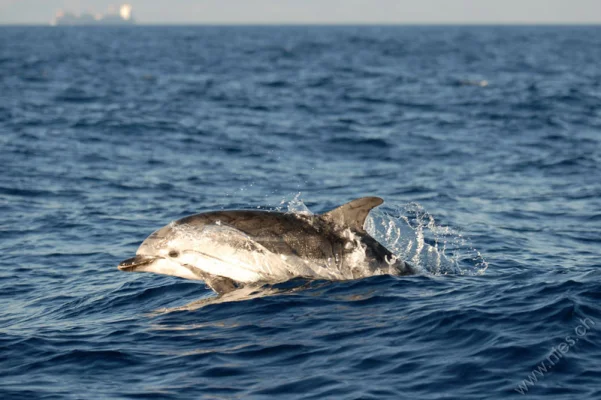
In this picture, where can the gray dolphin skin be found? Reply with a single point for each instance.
(232, 249)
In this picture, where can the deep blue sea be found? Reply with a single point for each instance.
(485, 143)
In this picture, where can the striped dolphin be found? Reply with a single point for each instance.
(232, 249)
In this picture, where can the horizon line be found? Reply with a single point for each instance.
(356, 23)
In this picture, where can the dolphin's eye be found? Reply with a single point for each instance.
(174, 253)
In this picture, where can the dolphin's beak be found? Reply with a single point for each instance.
(132, 264)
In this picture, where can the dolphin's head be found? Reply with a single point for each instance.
(167, 252)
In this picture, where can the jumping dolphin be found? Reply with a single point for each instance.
(233, 249)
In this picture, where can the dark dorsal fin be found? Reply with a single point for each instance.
(353, 214)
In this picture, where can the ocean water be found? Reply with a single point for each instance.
(485, 143)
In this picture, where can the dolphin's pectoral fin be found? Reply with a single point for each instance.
(222, 284)
(219, 284)
(354, 213)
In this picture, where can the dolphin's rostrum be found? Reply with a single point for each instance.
(231, 249)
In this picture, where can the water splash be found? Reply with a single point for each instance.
(412, 233)
(294, 205)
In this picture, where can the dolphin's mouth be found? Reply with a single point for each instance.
(132, 264)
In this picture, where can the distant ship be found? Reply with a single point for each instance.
(123, 17)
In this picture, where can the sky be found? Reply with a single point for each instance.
(317, 11)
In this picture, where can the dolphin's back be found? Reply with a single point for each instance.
(281, 233)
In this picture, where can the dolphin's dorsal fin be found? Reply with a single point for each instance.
(353, 214)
